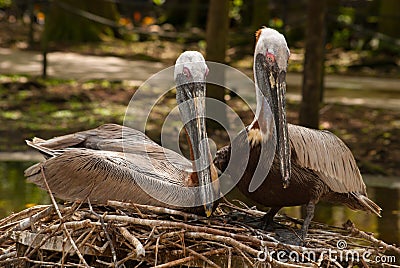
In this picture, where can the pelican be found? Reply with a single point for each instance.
(114, 162)
(320, 166)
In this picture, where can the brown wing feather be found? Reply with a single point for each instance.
(102, 175)
(326, 154)
(110, 163)
(98, 138)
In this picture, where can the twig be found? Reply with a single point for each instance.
(350, 227)
(140, 252)
(156, 251)
(229, 257)
(249, 211)
(87, 236)
(364, 263)
(198, 255)
(170, 237)
(21, 216)
(61, 218)
(28, 253)
(81, 243)
(158, 210)
(156, 223)
(202, 229)
(8, 255)
(130, 256)
(336, 263)
(149, 236)
(74, 225)
(245, 257)
(190, 258)
(101, 218)
(26, 259)
(223, 239)
(239, 246)
(26, 223)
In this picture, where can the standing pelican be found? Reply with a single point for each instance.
(119, 163)
(322, 167)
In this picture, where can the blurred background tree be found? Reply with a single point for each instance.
(80, 20)
(313, 64)
(389, 15)
(224, 31)
(260, 16)
(217, 43)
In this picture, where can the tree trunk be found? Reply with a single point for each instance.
(313, 64)
(64, 23)
(388, 18)
(217, 30)
(193, 13)
(217, 41)
(260, 14)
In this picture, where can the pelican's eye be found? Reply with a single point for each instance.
(270, 57)
(186, 72)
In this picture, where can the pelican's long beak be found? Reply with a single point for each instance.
(191, 97)
(272, 83)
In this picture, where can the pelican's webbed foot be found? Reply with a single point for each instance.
(268, 223)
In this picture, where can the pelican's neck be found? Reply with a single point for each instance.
(262, 103)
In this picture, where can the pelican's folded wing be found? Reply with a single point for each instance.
(78, 174)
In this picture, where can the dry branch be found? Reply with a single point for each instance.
(61, 218)
(142, 236)
(158, 210)
(351, 227)
(189, 259)
(140, 252)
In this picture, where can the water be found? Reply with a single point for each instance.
(16, 194)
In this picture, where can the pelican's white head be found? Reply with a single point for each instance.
(273, 45)
(192, 65)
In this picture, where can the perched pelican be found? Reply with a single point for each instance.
(114, 162)
(322, 166)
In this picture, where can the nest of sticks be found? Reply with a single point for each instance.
(132, 235)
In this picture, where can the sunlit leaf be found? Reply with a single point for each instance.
(159, 2)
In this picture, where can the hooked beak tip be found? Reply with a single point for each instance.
(208, 208)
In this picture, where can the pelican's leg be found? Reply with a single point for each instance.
(269, 217)
(309, 215)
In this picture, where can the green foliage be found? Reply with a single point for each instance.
(39, 106)
(75, 27)
(234, 11)
(346, 15)
(341, 38)
(159, 2)
(5, 3)
(341, 35)
(276, 23)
